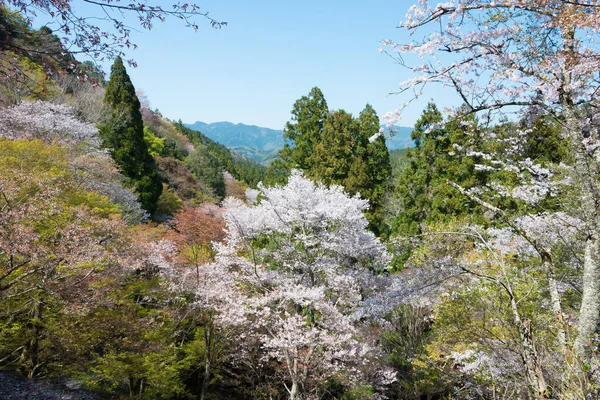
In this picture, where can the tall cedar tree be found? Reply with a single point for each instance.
(122, 131)
(422, 187)
(303, 133)
(377, 164)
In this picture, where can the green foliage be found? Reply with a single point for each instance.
(277, 173)
(174, 173)
(97, 203)
(359, 393)
(303, 133)
(142, 376)
(62, 233)
(30, 58)
(544, 142)
(126, 339)
(422, 186)
(122, 131)
(156, 145)
(207, 169)
(168, 203)
(331, 156)
(398, 161)
(376, 166)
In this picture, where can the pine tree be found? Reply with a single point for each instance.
(122, 131)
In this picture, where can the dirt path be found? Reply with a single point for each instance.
(18, 388)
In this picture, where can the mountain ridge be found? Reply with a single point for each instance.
(262, 144)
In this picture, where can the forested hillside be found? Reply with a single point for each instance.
(254, 142)
(263, 144)
(139, 259)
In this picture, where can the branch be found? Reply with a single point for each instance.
(179, 11)
(488, 278)
(13, 268)
(544, 253)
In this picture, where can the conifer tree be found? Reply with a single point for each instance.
(122, 131)
(336, 148)
(305, 129)
(378, 166)
(422, 187)
(332, 156)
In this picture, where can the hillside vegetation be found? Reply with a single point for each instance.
(140, 259)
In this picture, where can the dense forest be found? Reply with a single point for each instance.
(140, 259)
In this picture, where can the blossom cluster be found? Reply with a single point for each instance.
(52, 123)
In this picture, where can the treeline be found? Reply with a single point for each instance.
(337, 149)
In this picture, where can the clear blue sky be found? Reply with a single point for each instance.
(270, 54)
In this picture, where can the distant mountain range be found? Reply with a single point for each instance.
(262, 144)
(254, 142)
(400, 137)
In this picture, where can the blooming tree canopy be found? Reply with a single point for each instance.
(293, 271)
(48, 122)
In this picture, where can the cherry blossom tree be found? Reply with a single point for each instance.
(300, 263)
(48, 122)
(536, 58)
(488, 288)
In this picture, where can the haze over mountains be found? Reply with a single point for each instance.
(262, 144)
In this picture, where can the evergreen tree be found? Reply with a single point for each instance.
(122, 131)
(331, 158)
(422, 186)
(544, 142)
(378, 167)
(305, 130)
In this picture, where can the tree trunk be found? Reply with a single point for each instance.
(294, 375)
(294, 390)
(533, 369)
(590, 300)
(208, 339)
(586, 172)
(556, 305)
(34, 348)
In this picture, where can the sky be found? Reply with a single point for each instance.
(271, 53)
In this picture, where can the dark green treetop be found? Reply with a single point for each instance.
(122, 131)
(304, 131)
(422, 186)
